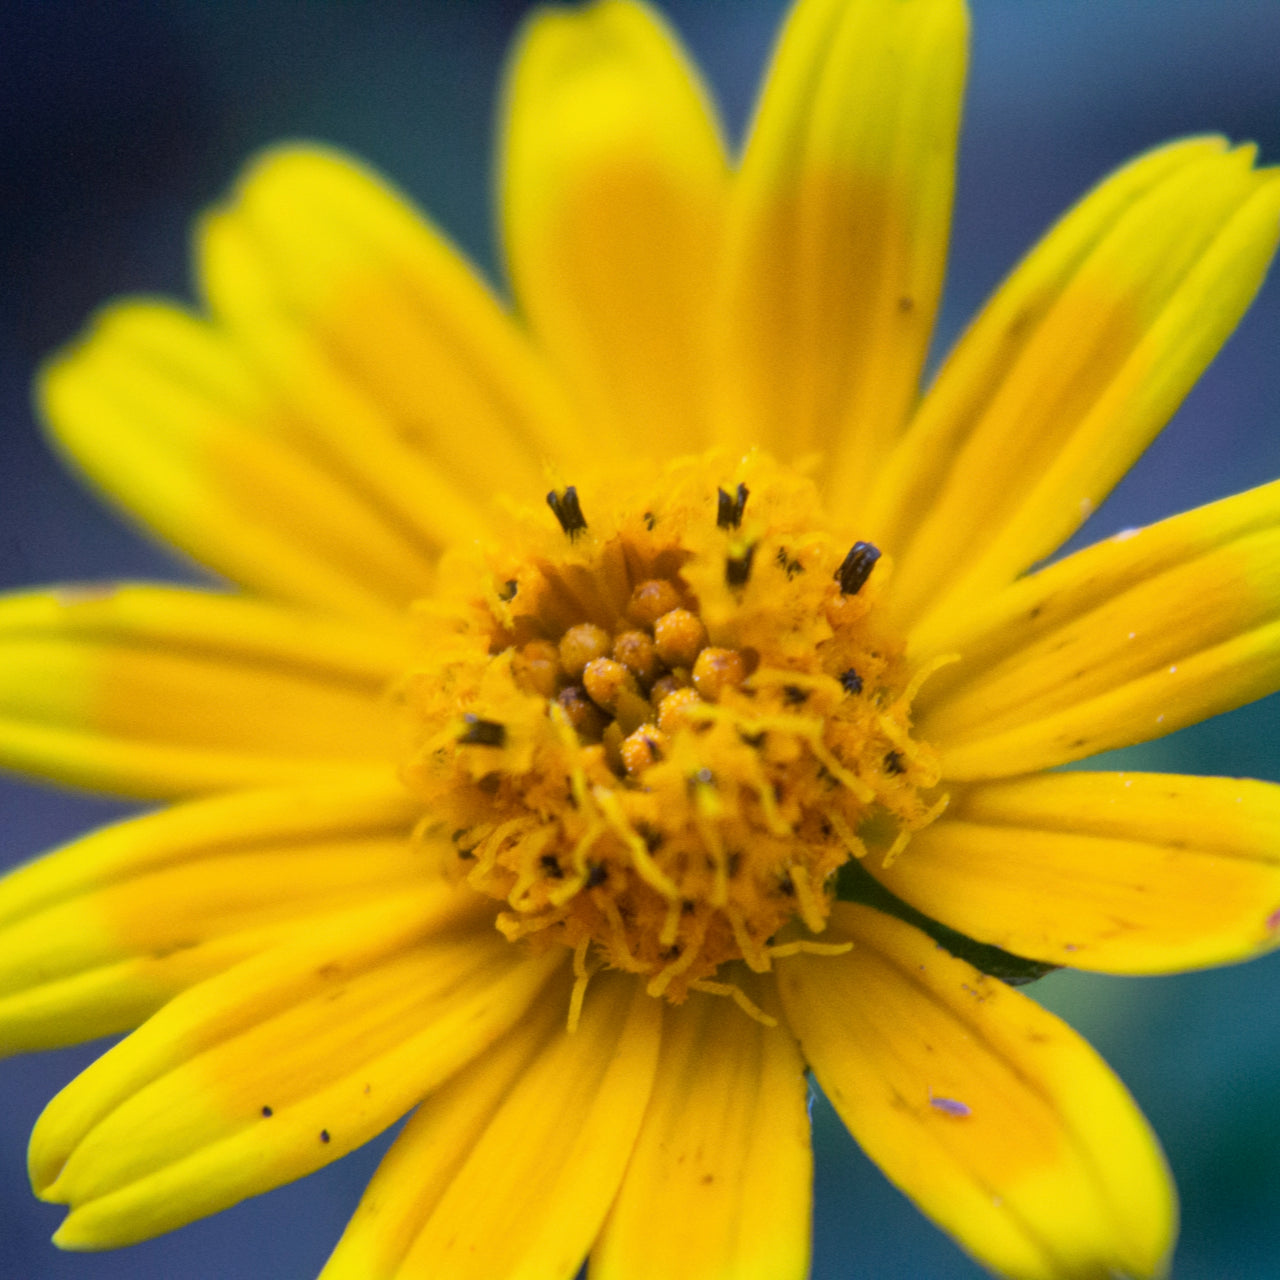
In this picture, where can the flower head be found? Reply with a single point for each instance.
(641, 695)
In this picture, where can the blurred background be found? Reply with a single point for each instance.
(119, 122)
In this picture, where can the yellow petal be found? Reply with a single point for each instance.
(417, 1170)
(163, 691)
(721, 1179)
(161, 411)
(999, 1121)
(96, 936)
(1071, 369)
(1122, 642)
(613, 187)
(519, 1190)
(276, 1067)
(838, 231)
(1128, 873)
(318, 267)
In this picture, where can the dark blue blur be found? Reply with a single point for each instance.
(119, 122)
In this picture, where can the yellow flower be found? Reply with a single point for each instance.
(630, 693)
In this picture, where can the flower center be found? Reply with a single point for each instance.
(659, 718)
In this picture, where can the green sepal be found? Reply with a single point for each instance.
(854, 883)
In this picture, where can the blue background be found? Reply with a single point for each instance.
(119, 122)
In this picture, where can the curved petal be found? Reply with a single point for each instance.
(1120, 643)
(995, 1117)
(720, 1183)
(161, 691)
(510, 1171)
(395, 360)
(838, 232)
(98, 935)
(276, 1067)
(1127, 873)
(1071, 369)
(161, 411)
(614, 179)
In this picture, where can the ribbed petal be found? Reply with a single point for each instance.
(1128, 873)
(417, 1170)
(838, 232)
(1122, 642)
(98, 935)
(721, 1180)
(397, 361)
(510, 1172)
(161, 691)
(164, 413)
(995, 1117)
(614, 180)
(1071, 369)
(276, 1067)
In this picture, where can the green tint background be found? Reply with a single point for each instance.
(119, 121)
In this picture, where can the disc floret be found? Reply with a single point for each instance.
(657, 725)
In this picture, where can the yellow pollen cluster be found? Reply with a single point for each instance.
(655, 723)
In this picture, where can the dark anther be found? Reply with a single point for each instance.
(268, 1112)
(784, 561)
(324, 1135)
(653, 840)
(551, 865)
(752, 739)
(851, 680)
(794, 694)
(856, 568)
(688, 906)
(787, 885)
(893, 763)
(648, 520)
(598, 874)
(567, 511)
(737, 569)
(508, 591)
(482, 733)
(733, 863)
(729, 509)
